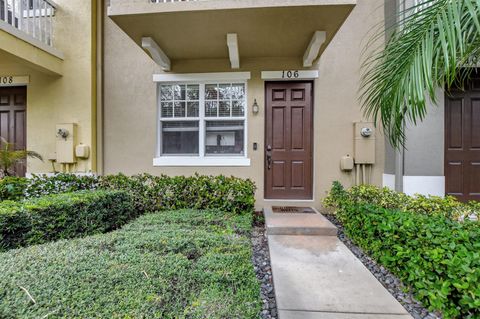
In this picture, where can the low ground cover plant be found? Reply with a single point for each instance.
(150, 193)
(178, 264)
(60, 216)
(435, 255)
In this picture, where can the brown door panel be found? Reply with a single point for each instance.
(288, 140)
(13, 119)
(462, 143)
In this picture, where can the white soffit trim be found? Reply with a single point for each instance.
(284, 75)
(313, 49)
(202, 77)
(232, 43)
(156, 53)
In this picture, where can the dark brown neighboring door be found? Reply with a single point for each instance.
(288, 140)
(13, 106)
(462, 142)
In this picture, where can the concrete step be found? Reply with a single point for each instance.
(298, 224)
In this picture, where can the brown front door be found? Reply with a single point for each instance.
(288, 140)
(13, 105)
(462, 142)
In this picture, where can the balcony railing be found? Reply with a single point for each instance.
(32, 17)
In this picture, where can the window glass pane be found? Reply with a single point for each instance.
(180, 137)
(238, 91)
(211, 92)
(193, 92)
(166, 93)
(238, 108)
(179, 110)
(224, 110)
(225, 91)
(211, 108)
(224, 137)
(193, 109)
(179, 92)
(167, 109)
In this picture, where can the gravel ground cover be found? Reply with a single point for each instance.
(263, 269)
(385, 277)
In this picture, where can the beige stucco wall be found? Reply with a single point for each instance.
(61, 99)
(130, 108)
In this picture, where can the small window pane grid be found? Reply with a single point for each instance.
(202, 119)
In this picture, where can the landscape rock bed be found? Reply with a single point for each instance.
(385, 277)
(263, 269)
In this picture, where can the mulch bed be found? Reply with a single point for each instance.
(263, 269)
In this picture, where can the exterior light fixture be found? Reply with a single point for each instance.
(255, 107)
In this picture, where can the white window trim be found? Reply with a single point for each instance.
(179, 161)
(201, 159)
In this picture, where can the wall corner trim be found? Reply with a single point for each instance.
(201, 77)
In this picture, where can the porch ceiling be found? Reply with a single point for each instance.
(264, 28)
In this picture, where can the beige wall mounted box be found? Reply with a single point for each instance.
(82, 151)
(346, 163)
(364, 143)
(66, 135)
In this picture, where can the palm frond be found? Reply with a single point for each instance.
(9, 157)
(430, 44)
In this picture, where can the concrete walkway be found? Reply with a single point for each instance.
(317, 277)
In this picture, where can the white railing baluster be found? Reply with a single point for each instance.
(33, 17)
(50, 25)
(5, 11)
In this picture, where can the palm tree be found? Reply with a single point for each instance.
(431, 44)
(9, 157)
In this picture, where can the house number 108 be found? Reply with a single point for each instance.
(290, 74)
(6, 79)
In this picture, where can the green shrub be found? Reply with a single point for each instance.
(153, 193)
(150, 193)
(421, 240)
(180, 264)
(60, 216)
(384, 197)
(41, 185)
(12, 188)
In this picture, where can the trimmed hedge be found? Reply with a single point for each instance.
(180, 264)
(447, 206)
(150, 193)
(436, 256)
(61, 216)
(155, 193)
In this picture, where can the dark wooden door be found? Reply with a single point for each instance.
(13, 106)
(288, 140)
(462, 142)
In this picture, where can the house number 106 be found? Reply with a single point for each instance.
(6, 79)
(290, 74)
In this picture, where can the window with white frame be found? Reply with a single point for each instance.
(202, 119)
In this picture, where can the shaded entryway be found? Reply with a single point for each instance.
(13, 119)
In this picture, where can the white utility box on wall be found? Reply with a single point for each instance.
(66, 135)
(364, 143)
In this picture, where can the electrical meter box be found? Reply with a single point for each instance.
(365, 141)
(66, 135)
